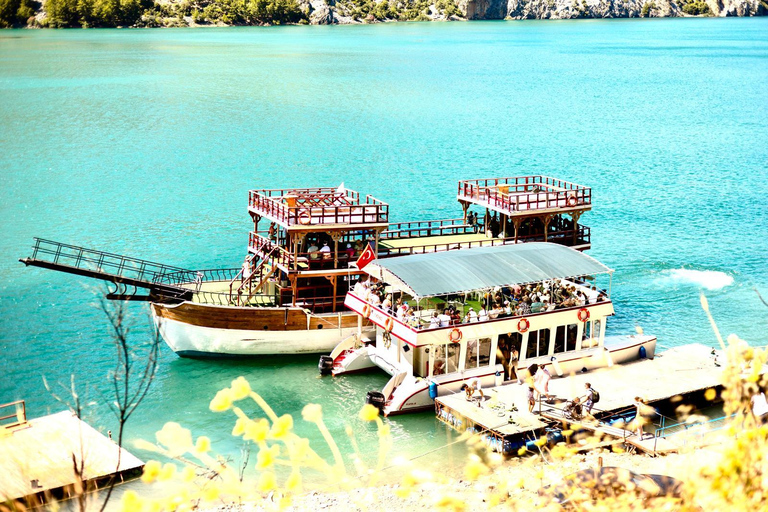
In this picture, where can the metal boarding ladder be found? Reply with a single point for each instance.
(123, 271)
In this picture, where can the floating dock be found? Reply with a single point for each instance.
(504, 418)
(38, 457)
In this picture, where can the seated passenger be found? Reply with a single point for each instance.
(312, 251)
(455, 316)
(495, 312)
(434, 321)
(482, 315)
(471, 316)
(507, 308)
(325, 251)
(445, 320)
(537, 307)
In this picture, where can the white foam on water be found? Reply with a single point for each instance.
(709, 279)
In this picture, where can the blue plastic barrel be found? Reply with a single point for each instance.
(433, 390)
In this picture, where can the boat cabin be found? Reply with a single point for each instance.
(484, 313)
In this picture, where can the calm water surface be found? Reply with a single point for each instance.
(145, 142)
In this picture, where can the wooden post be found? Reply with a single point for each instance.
(575, 216)
(336, 236)
(516, 222)
(547, 219)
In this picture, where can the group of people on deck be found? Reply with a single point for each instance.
(516, 300)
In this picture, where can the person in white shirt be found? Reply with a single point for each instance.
(325, 251)
(482, 315)
(471, 316)
(434, 321)
(507, 308)
(445, 320)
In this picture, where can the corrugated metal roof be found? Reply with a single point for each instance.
(481, 268)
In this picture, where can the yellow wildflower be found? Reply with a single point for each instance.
(256, 430)
(210, 493)
(188, 474)
(369, 413)
(451, 503)
(178, 440)
(240, 389)
(151, 471)
(167, 472)
(267, 482)
(474, 469)
(131, 502)
(239, 428)
(293, 484)
(312, 413)
(203, 444)
(222, 401)
(266, 456)
(282, 426)
(540, 442)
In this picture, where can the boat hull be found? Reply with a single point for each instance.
(201, 330)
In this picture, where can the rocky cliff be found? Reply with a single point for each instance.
(350, 11)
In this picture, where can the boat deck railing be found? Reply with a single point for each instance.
(427, 228)
(203, 284)
(525, 195)
(308, 208)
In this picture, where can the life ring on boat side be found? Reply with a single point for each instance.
(455, 335)
(583, 314)
(389, 324)
(572, 199)
(304, 217)
(366, 311)
(523, 325)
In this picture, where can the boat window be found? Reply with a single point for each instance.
(538, 343)
(438, 367)
(452, 357)
(484, 355)
(560, 339)
(446, 358)
(570, 338)
(478, 353)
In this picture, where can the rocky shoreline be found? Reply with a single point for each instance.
(195, 13)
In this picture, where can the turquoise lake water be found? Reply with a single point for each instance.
(146, 142)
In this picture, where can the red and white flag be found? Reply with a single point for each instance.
(366, 257)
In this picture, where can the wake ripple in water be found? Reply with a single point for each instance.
(709, 279)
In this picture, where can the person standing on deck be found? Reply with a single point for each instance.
(590, 397)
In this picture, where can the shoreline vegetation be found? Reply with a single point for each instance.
(196, 13)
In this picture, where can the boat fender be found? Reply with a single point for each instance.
(523, 325)
(433, 390)
(389, 324)
(304, 217)
(643, 352)
(325, 365)
(572, 199)
(583, 314)
(366, 311)
(455, 335)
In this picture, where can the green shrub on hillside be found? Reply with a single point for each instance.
(696, 8)
(94, 13)
(15, 13)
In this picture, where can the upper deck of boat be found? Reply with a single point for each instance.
(319, 209)
(524, 196)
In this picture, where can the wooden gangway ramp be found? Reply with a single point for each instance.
(38, 458)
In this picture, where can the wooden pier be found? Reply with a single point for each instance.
(504, 416)
(39, 456)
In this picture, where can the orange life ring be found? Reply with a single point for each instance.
(572, 199)
(389, 324)
(583, 314)
(523, 325)
(304, 217)
(366, 311)
(455, 335)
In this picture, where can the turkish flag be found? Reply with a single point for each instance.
(365, 258)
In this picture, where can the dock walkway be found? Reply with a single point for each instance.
(38, 455)
(504, 414)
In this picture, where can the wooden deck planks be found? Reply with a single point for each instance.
(677, 371)
(39, 457)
